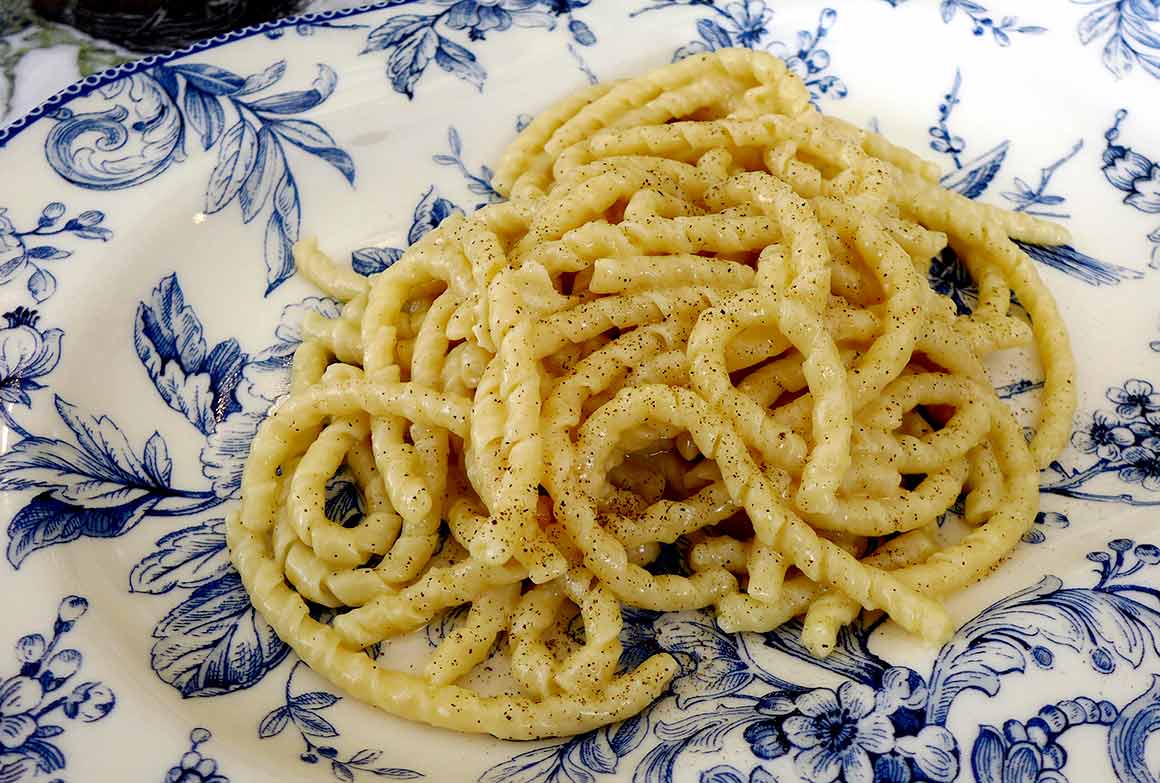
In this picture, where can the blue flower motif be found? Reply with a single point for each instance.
(837, 732)
(748, 22)
(1135, 398)
(26, 353)
(195, 766)
(1018, 754)
(17, 256)
(29, 699)
(1103, 436)
(1143, 467)
(766, 738)
(480, 17)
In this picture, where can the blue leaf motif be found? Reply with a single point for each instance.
(311, 137)
(46, 522)
(407, 63)
(260, 81)
(185, 558)
(17, 770)
(717, 668)
(158, 466)
(300, 100)
(311, 723)
(205, 115)
(396, 30)
(626, 737)
(975, 176)
(850, 656)
(101, 470)
(209, 78)
(236, 159)
(315, 700)
(279, 252)
(266, 174)
(1128, 736)
(167, 79)
(372, 260)
(429, 213)
(581, 33)
(214, 642)
(455, 59)
(716, 36)
(396, 773)
(1078, 264)
(41, 284)
(287, 207)
(543, 765)
(996, 642)
(49, 758)
(47, 253)
(275, 721)
(987, 755)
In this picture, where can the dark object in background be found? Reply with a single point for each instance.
(161, 25)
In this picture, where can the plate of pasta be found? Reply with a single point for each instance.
(558, 391)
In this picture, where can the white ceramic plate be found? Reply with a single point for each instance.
(145, 223)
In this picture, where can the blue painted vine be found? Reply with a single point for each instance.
(972, 176)
(432, 208)
(880, 723)
(94, 483)
(1122, 444)
(981, 19)
(301, 714)
(23, 252)
(747, 23)
(42, 699)
(147, 120)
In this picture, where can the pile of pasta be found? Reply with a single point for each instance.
(698, 332)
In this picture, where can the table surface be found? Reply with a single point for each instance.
(38, 57)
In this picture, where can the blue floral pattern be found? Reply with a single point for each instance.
(195, 766)
(26, 354)
(413, 42)
(972, 178)
(1123, 442)
(1129, 30)
(731, 716)
(16, 257)
(42, 694)
(882, 723)
(746, 23)
(303, 712)
(153, 113)
(1135, 174)
(982, 21)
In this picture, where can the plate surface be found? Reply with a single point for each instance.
(146, 217)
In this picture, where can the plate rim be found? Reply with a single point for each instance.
(88, 84)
